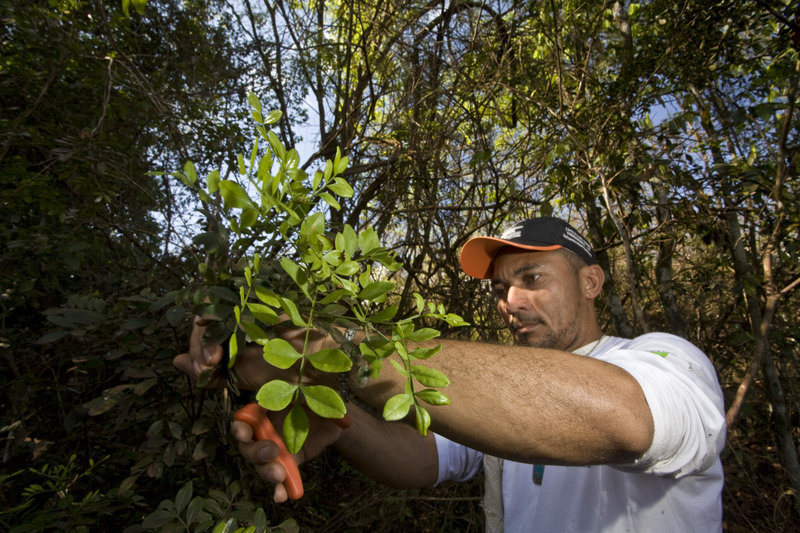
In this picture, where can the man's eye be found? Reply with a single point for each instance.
(530, 280)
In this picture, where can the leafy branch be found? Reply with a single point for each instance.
(296, 271)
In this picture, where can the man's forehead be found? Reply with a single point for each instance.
(521, 261)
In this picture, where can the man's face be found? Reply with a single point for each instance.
(539, 296)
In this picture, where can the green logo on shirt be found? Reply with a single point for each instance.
(662, 354)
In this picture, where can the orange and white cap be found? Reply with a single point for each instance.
(537, 234)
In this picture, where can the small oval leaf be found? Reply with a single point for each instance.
(275, 395)
(397, 407)
(280, 353)
(324, 401)
(331, 360)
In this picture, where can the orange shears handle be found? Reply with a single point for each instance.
(256, 416)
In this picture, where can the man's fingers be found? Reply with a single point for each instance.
(280, 494)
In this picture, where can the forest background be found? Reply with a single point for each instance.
(666, 130)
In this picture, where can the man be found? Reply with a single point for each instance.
(596, 433)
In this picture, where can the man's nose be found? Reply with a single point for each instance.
(516, 299)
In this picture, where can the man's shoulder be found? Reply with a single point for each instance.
(656, 342)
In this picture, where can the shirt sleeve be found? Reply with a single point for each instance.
(456, 461)
(685, 399)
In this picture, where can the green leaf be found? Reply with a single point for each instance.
(377, 347)
(333, 257)
(254, 102)
(297, 273)
(324, 401)
(233, 350)
(423, 420)
(280, 353)
(276, 145)
(212, 181)
(317, 180)
(341, 188)
(290, 309)
(419, 301)
(291, 161)
(424, 334)
(368, 240)
(455, 320)
(139, 5)
(234, 195)
(273, 117)
(255, 333)
(433, 397)
(295, 428)
(424, 353)
(183, 497)
(335, 296)
(248, 217)
(330, 360)
(190, 172)
(275, 395)
(267, 296)
(384, 315)
(397, 407)
(330, 200)
(348, 268)
(429, 377)
(263, 313)
(339, 162)
(313, 225)
(194, 512)
(376, 289)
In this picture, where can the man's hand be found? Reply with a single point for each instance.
(203, 360)
(263, 454)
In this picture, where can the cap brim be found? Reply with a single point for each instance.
(478, 253)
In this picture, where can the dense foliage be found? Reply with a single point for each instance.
(666, 130)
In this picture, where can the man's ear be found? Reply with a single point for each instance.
(592, 279)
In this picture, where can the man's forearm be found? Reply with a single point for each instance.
(532, 405)
(391, 453)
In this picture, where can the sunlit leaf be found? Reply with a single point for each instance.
(290, 309)
(295, 428)
(384, 315)
(330, 360)
(423, 334)
(423, 420)
(324, 401)
(276, 394)
(375, 290)
(273, 117)
(263, 313)
(368, 240)
(433, 397)
(280, 353)
(234, 195)
(341, 187)
(348, 268)
(253, 331)
(424, 353)
(297, 273)
(212, 181)
(429, 376)
(397, 407)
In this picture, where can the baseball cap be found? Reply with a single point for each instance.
(538, 234)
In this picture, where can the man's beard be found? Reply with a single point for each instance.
(549, 340)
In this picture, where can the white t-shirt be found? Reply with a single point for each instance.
(675, 486)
